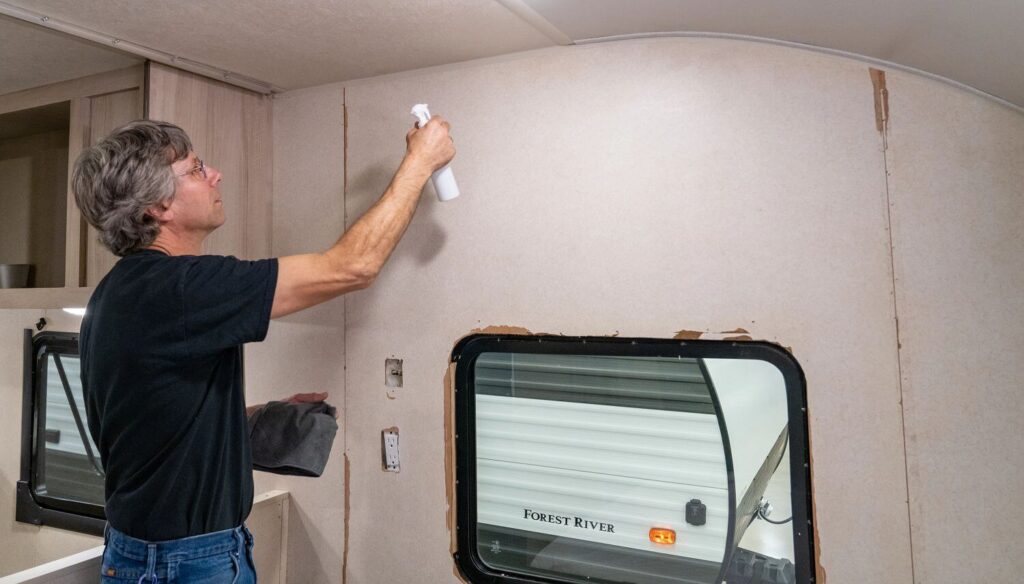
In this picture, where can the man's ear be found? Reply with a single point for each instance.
(162, 212)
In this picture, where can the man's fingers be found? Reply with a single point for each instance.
(432, 144)
(307, 397)
(436, 120)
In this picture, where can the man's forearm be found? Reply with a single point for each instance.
(371, 239)
(355, 260)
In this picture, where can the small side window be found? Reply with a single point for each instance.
(643, 461)
(61, 482)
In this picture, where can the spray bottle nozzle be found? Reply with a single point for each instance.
(422, 114)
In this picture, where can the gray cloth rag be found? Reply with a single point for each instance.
(292, 439)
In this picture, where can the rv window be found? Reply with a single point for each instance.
(61, 474)
(641, 461)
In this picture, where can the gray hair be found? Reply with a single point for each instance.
(125, 174)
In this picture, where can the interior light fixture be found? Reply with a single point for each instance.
(75, 311)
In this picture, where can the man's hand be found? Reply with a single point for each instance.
(298, 398)
(431, 146)
(306, 398)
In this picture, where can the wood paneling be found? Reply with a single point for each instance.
(106, 113)
(47, 237)
(77, 231)
(230, 130)
(98, 104)
(268, 522)
(32, 198)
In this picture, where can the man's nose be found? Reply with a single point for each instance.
(213, 174)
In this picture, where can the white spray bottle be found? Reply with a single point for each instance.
(443, 179)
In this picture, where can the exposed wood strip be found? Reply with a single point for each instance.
(881, 100)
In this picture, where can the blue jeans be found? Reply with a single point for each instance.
(221, 557)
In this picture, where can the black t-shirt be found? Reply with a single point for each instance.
(161, 350)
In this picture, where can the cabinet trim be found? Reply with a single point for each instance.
(92, 85)
(44, 297)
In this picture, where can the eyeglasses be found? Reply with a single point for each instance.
(198, 170)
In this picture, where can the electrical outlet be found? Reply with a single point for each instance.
(389, 449)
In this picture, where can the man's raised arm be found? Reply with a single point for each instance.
(355, 260)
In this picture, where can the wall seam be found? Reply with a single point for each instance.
(344, 336)
(882, 120)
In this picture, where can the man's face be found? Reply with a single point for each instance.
(197, 204)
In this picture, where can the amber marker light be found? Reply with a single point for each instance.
(660, 535)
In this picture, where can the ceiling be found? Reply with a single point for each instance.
(33, 56)
(302, 43)
(979, 43)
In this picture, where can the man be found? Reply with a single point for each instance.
(161, 343)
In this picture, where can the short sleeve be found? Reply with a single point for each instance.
(227, 302)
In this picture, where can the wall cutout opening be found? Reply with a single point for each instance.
(643, 461)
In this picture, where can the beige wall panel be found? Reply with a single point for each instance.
(230, 130)
(957, 166)
(309, 169)
(33, 179)
(106, 113)
(636, 188)
(22, 545)
(305, 352)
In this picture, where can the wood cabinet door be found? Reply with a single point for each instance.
(100, 115)
(230, 128)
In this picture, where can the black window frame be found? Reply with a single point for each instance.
(464, 356)
(33, 507)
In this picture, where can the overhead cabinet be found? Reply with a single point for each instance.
(44, 129)
(230, 128)
(42, 132)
